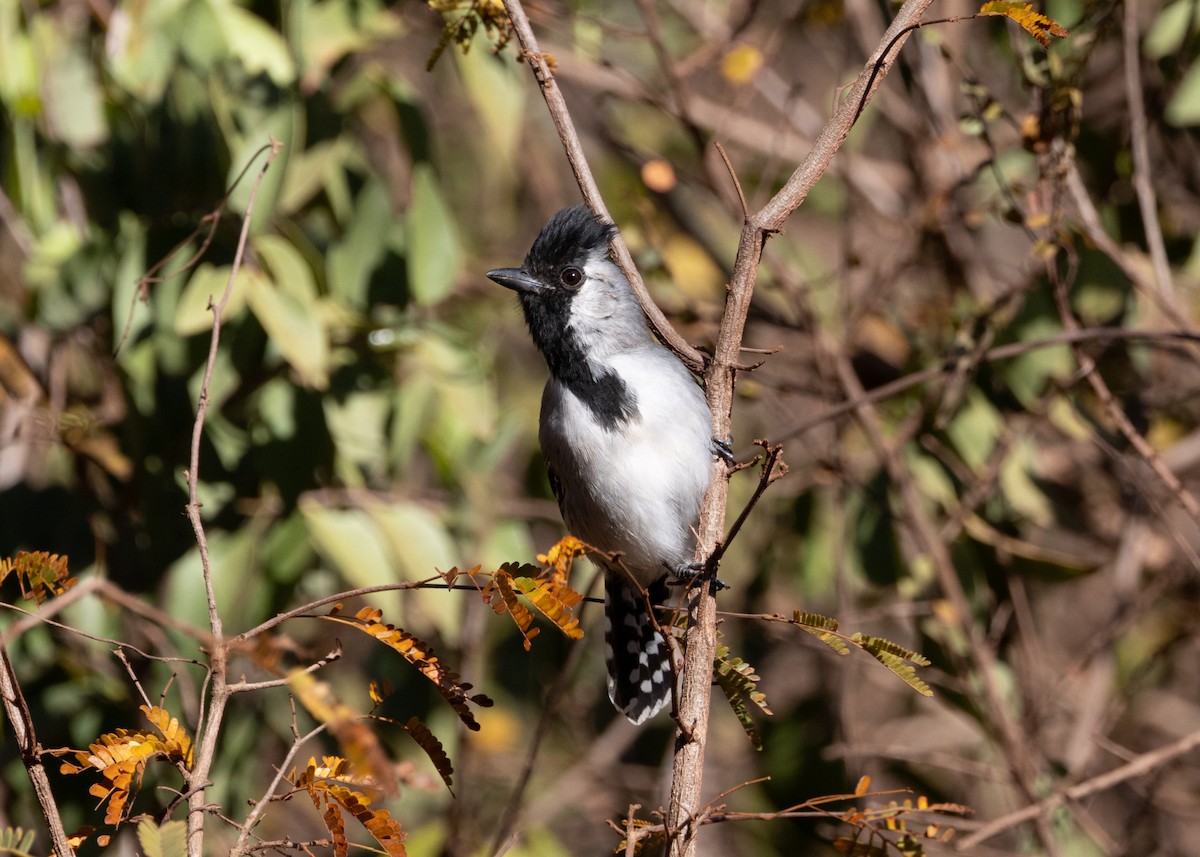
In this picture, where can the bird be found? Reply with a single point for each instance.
(626, 438)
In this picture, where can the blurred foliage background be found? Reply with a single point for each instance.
(373, 412)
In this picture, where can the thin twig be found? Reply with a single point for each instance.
(1138, 767)
(1143, 184)
(246, 828)
(209, 729)
(741, 199)
(772, 469)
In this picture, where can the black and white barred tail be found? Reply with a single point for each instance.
(639, 662)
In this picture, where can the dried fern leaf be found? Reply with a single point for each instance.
(420, 655)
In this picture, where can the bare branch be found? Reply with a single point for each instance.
(31, 754)
(209, 729)
(557, 107)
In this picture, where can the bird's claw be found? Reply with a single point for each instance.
(691, 572)
(723, 449)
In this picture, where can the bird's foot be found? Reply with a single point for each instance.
(697, 572)
(723, 449)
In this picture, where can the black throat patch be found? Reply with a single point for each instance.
(601, 390)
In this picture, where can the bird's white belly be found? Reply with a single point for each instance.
(637, 488)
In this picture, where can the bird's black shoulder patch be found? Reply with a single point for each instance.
(570, 236)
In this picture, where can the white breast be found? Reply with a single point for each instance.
(637, 488)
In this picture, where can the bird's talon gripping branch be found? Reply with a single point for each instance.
(723, 449)
(692, 572)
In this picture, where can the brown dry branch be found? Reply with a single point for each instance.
(21, 722)
(557, 107)
(209, 727)
(1137, 767)
(1026, 764)
(246, 828)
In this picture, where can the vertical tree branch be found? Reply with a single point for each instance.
(209, 729)
(1143, 184)
(31, 754)
(695, 683)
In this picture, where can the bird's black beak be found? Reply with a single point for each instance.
(517, 279)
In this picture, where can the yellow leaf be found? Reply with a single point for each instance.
(1034, 23)
(692, 270)
(741, 64)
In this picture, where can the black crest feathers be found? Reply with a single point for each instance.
(567, 239)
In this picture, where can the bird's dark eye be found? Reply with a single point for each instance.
(571, 277)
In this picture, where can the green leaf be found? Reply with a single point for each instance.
(142, 46)
(1028, 374)
(241, 592)
(204, 288)
(1183, 110)
(259, 47)
(357, 425)
(205, 47)
(496, 89)
(1170, 28)
(331, 30)
(73, 101)
(975, 429)
(420, 544)
(169, 840)
(434, 252)
(294, 327)
(1020, 490)
(308, 172)
(19, 89)
(289, 270)
(352, 260)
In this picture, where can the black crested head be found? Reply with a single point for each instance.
(546, 285)
(567, 240)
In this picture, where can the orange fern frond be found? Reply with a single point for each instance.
(420, 655)
(41, 575)
(557, 561)
(507, 602)
(120, 758)
(333, 790)
(555, 600)
(1034, 23)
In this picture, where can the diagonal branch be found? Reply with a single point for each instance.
(557, 106)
